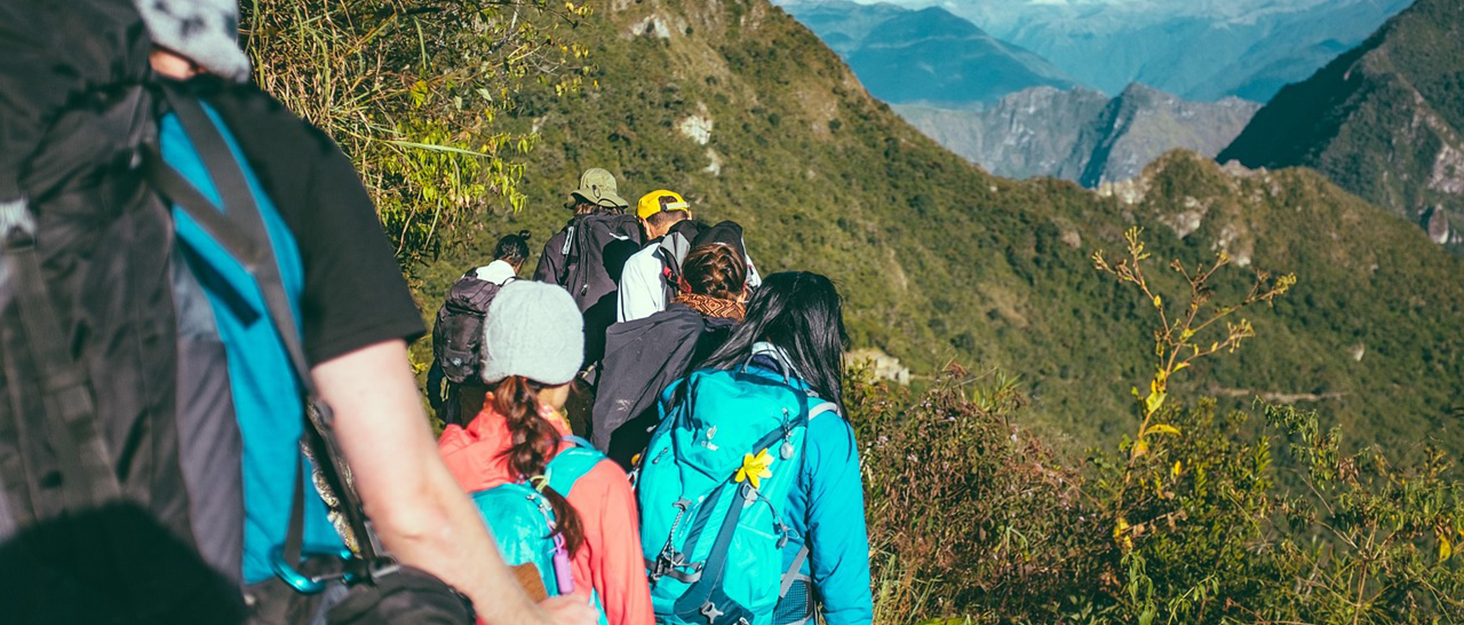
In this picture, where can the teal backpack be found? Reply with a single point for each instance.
(713, 487)
(521, 518)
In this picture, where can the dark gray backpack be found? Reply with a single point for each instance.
(98, 470)
(596, 247)
(120, 454)
(457, 336)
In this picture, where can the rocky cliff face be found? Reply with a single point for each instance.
(1080, 135)
(1029, 133)
(1385, 120)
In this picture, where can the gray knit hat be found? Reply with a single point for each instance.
(533, 330)
(204, 31)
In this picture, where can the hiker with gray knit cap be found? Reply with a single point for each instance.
(520, 446)
(235, 274)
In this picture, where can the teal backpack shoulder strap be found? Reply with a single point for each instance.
(827, 406)
(572, 464)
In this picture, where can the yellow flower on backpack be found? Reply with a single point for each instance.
(754, 468)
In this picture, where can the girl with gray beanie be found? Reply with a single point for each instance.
(533, 344)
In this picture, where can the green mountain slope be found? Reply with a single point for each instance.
(744, 111)
(1080, 135)
(1385, 120)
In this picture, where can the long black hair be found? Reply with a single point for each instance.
(801, 313)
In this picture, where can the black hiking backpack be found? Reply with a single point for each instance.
(596, 247)
(120, 455)
(457, 336)
(92, 447)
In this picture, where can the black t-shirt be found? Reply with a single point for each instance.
(354, 294)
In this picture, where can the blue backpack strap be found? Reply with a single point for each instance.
(571, 464)
(827, 406)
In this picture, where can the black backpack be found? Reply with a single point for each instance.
(90, 468)
(596, 247)
(457, 336)
(120, 454)
(642, 358)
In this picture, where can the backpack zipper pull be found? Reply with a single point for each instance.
(785, 451)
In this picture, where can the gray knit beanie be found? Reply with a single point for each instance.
(204, 31)
(533, 330)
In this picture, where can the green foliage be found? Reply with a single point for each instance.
(966, 512)
(414, 91)
(1202, 517)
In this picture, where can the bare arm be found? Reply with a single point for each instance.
(422, 515)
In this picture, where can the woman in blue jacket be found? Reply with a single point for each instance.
(792, 338)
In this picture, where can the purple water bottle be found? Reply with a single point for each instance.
(563, 574)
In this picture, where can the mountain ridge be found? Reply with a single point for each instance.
(1200, 51)
(1081, 135)
(927, 54)
(1383, 120)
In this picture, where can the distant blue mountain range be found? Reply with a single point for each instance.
(926, 55)
(980, 50)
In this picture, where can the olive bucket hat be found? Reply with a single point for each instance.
(597, 186)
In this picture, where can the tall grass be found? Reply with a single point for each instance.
(415, 92)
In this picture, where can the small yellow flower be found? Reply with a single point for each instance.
(754, 468)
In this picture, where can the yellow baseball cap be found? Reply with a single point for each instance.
(660, 200)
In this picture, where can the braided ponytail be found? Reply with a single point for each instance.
(535, 441)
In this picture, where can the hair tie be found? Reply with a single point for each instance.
(539, 482)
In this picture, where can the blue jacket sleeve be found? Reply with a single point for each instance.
(838, 542)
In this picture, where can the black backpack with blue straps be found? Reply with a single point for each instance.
(120, 455)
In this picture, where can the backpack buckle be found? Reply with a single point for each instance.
(668, 564)
(309, 584)
(17, 225)
(710, 611)
(664, 564)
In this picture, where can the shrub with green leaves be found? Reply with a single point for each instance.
(1201, 516)
(414, 90)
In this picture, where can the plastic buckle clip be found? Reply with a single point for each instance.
(311, 584)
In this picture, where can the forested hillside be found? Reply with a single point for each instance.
(1045, 491)
(747, 113)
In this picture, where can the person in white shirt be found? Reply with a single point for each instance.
(643, 285)
(456, 402)
(508, 259)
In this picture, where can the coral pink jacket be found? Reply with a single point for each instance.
(610, 560)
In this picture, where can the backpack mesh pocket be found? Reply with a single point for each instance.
(796, 607)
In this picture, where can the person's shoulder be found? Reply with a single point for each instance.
(647, 255)
(831, 435)
(604, 479)
(255, 113)
(675, 315)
